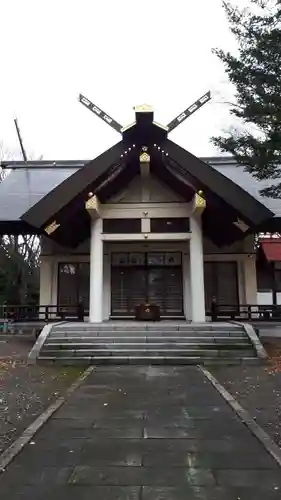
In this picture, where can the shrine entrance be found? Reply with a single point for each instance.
(146, 278)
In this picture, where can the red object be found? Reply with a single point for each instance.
(272, 249)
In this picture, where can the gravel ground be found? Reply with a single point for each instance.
(25, 390)
(258, 389)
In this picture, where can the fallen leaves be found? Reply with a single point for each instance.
(274, 354)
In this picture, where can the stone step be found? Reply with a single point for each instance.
(203, 352)
(148, 338)
(146, 345)
(143, 343)
(157, 360)
(144, 327)
(145, 333)
(80, 342)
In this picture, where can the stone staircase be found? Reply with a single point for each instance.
(146, 343)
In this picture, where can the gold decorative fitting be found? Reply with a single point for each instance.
(144, 158)
(199, 201)
(143, 108)
(52, 227)
(241, 225)
(92, 203)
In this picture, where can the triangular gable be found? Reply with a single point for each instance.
(157, 191)
(183, 172)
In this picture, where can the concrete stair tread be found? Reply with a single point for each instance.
(154, 334)
(146, 346)
(146, 352)
(146, 343)
(173, 360)
(149, 345)
(144, 329)
(150, 330)
(146, 339)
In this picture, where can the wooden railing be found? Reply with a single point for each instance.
(217, 312)
(23, 313)
(249, 312)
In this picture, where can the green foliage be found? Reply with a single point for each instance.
(255, 72)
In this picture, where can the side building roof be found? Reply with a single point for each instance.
(229, 168)
(24, 186)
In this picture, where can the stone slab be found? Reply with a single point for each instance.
(143, 433)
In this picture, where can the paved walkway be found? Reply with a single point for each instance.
(150, 433)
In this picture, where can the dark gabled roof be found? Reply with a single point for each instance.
(53, 176)
(46, 191)
(250, 208)
(39, 164)
(79, 183)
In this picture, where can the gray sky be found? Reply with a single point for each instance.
(118, 53)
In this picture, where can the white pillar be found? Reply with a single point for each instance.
(198, 313)
(186, 286)
(45, 282)
(45, 294)
(96, 272)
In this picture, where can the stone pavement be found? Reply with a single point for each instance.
(150, 433)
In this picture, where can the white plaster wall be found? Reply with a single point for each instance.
(45, 282)
(46, 286)
(266, 298)
(250, 279)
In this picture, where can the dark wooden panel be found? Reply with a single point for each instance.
(173, 225)
(152, 282)
(117, 226)
(221, 282)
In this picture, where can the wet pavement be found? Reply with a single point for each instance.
(150, 433)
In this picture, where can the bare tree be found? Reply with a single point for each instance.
(19, 255)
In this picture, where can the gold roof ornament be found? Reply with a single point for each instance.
(241, 225)
(143, 108)
(92, 203)
(200, 202)
(51, 228)
(144, 157)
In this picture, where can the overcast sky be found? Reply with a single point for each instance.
(119, 53)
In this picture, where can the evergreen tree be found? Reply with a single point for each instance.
(255, 72)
